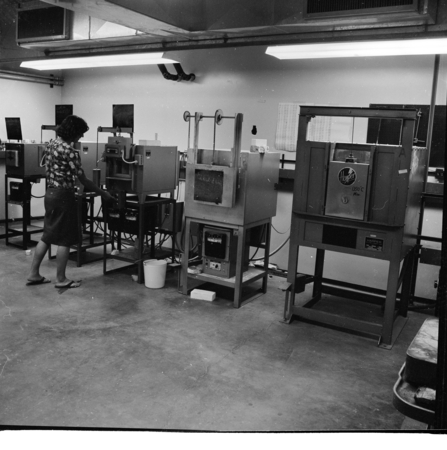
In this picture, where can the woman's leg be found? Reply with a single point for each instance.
(61, 265)
(39, 254)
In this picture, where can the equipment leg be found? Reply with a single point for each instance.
(185, 258)
(390, 303)
(318, 274)
(291, 278)
(241, 232)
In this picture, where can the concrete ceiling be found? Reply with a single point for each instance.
(181, 24)
(110, 26)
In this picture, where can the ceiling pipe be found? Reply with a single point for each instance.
(181, 75)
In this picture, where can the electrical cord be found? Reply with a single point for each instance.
(274, 251)
(127, 162)
(284, 232)
(36, 196)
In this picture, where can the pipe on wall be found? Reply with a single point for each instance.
(19, 76)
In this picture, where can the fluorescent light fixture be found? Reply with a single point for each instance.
(129, 59)
(435, 46)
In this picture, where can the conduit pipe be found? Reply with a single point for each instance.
(181, 75)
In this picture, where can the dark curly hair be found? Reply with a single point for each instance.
(71, 128)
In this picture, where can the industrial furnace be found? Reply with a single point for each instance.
(358, 199)
(231, 186)
(94, 166)
(140, 169)
(24, 160)
(230, 194)
(136, 175)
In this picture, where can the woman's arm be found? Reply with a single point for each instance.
(91, 187)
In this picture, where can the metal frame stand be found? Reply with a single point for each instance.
(81, 255)
(241, 278)
(394, 319)
(139, 259)
(26, 207)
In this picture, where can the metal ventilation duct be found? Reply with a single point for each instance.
(153, 25)
(360, 6)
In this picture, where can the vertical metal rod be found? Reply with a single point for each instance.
(428, 143)
(214, 143)
(441, 375)
(401, 132)
(189, 134)
(378, 132)
(353, 128)
(431, 115)
(197, 119)
(6, 209)
(97, 149)
(237, 139)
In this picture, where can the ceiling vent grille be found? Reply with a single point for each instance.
(332, 8)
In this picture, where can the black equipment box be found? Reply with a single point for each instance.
(15, 191)
(127, 220)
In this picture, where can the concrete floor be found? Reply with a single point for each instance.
(115, 354)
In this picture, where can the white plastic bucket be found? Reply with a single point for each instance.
(154, 273)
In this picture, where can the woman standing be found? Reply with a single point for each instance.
(63, 169)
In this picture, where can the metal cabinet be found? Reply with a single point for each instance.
(358, 199)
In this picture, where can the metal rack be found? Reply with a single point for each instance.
(27, 229)
(136, 258)
(243, 276)
(82, 254)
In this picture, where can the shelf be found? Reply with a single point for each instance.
(30, 229)
(248, 276)
(241, 278)
(434, 189)
(13, 202)
(130, 254)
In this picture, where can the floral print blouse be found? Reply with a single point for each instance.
(63, 165)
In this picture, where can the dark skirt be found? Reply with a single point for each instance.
(60, 225)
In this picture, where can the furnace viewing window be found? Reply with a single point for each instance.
(351, 153)
(208, 186)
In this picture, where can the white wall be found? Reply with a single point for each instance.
(241, 80)
(245, 80)
(35, 104)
